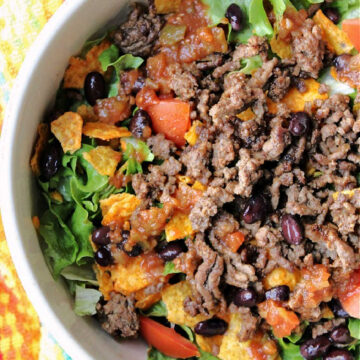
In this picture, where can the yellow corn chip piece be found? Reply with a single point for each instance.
(118, 208)
(87, 113)
(350, 193)
(335, 38)
(78, 68)
(209, 343)
(199, 186)
(295, 100)
(178, 227)
(67, 129)
(100, 130)
(246, 115)
(144, 301)
(280, 276)
(43, 136)
(184, 179)
(191, 136)
(173, 296)
(280, 47)
(231, 348)
(104, 159)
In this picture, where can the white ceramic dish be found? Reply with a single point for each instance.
(36, 86)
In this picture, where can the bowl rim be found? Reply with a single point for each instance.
(11, 121)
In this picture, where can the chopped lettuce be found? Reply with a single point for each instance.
(170, 268)
(251, 64)
(84, 274)
(157, 310)
(289, 351)
(86, 300)
(348, 9)
(304, 4)
(111, 57)
(259, 20)
(155, 354)
(279, 6)
(354, 328)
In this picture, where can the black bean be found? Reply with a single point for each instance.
(278, 293)
(339, 354)
(341, 62)
(299, 123)
(140, 125)
(235, 207)
(138, 85)
(332, 14)
(292, 229)
(249, 254)
(256, 209)
(315, 348)
(337, 309)
(136, 250)
(172, 250)
(211, 327)
(94, 87)
(103, 256)
(235, 16)
(50, 160)
(341, 335)
(246, 297)
(101, 236)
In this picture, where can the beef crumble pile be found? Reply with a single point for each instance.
(283, 180)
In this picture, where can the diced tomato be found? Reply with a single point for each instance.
(112, 110)
(349, 295)
(186, 197)
(352, 29)
(166, 340)
(283, 321)
(234, 240)
(171, 118)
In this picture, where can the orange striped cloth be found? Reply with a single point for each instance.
(21, 335)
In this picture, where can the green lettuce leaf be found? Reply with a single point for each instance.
(304, 4)
(250, 64)
(137, 149)
(84, 274)
(348, 9)
(170, 268)
(279, 6)
(258, 19)
(111, 57)
(207, 356)
(354, 328)
(86, 300)
(155, 354)
(157, 310)
(289, 351)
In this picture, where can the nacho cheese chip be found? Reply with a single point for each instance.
(295, 100)
(43, 136)
(118, 207)
(173, 296)
(231, 348)
(100, 130)
(78, 68)
(104, 159)
(191, 136)
(335, 38)
(67, 129)
(178, 227)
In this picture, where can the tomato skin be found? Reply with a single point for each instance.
(234, 240)
(170, 117)
(166, 340)
(349, 295)
(352, 29)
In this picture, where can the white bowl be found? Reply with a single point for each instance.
(39, 78)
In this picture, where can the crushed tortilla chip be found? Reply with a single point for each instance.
(191, 136)
(87, 113)
(280, 47)
(208, 344)
(103, 277)
(246, 115)
(350, 193)
(118, 208)
(199, 186)
(295, 100)
(104, 159)
(280, 276)
(231, 348)
(67, 129)
(166, 6)
(100, 130)
(36, 222)
(336, 39)
(184, 179)
(42, 139)
(144, 300)
(178, 227)
(173, 296)
(78, 68)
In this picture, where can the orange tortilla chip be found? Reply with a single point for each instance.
(178, 227)
(104, 131)
(78, 68)
(118, 208)
(295, 100)
(246, 115)
(67, 129)
(87, 113)
(104, 159)
(336, 39)
(42, 139)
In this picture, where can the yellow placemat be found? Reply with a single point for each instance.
(21, 335)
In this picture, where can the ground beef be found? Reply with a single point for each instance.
(182, 82)
(279, 84)
(161, 147)
(138, 34)
(308, 48)
(326, 327)
(118, 317)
